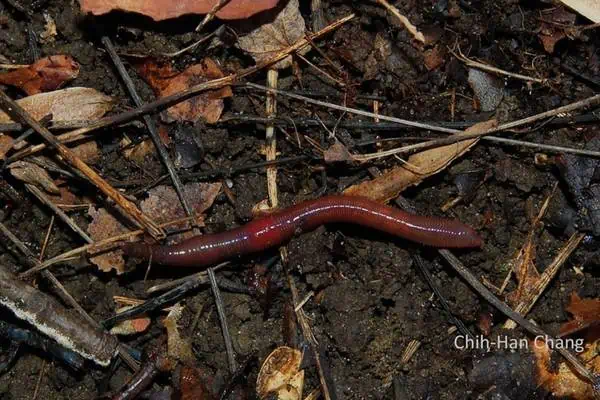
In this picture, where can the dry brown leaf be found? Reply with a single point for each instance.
(193, 384)
(159, 10)
(336, 153)
(87, 151)
(71, 104)
(5, 144)
(48, 73)
(103, 226)
(162, 205)
(33, 174)
(137, 153)
(588, 8)
(435, 57)
(418, 167)
(586, 312)
(178, 347)
(270, 38)
(561, 380)
(166, 81)
(280, 373)
(558, 26)
(67, 198)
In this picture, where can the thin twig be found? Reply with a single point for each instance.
(518, 318)
(310, 337)
(271, 140)
(192, 46)
(495, 70)
(17, 113)
(533, 294)
(449, 140)
(60, 213)
(211, 14)
(169, 101)
(404, 21)
(152, 129)
(223, 320)
(104, 244)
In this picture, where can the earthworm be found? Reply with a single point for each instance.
(279, 227)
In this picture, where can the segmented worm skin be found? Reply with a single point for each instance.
(281, 226)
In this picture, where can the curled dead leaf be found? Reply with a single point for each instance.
(166, 81)
(178, 347)
(585, 312)
(71, 104)
(418, 167)
(268, 39)
(280, 373)
(103, 226)
(160, 10)
(46, 74)
(561, 380)
(65, 105)
(33, 174)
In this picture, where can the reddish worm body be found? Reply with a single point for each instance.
(280, 227)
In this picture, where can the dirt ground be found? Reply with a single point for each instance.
(370, 299)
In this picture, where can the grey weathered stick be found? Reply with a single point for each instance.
(47, 315)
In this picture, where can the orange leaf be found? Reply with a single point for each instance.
(44, 75)
(585, 312)
(166, 81)
(159, 10)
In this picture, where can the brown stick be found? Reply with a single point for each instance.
(17, 113)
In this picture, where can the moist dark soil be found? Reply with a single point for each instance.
(370, 299)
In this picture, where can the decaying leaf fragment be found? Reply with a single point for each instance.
(585, 312)
(130, 326)
(105, 225)
(556, 25)
(166, 81)
(71, 104)
(162, 205)
(561, 380)
(280, 374)
(33, 174)
(418, 167)
(159, 10)
(46, 74)
(266, 40)
(178, 348)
